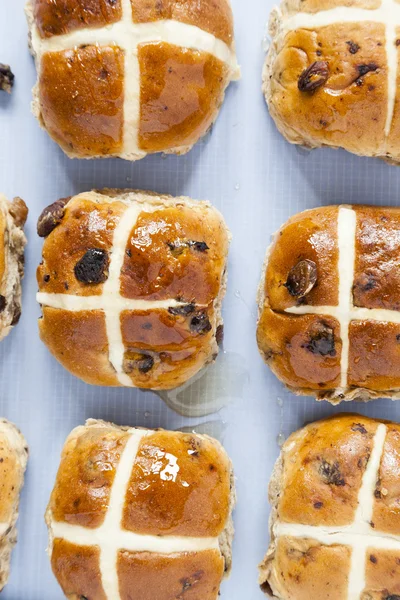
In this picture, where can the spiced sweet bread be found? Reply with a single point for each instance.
(13, 460)
(130, 77)
(131, 286)
(335, 521)
(138, 514)
(329, 320)
(12, 244)
(331, 76)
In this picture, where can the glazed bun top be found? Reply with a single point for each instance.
(331, 74)
(335, 514)
(142, 510)
(131, 286)
(130, 77)
(329, 309)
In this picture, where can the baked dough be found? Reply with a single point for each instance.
(131, 286)
(130, 77)
(335, 521)
(138, 514)
(331, 76)
(13, 459)
(12, 244)
(329, 320)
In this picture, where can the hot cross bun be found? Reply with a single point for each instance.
(335, 521)
(12, 244)
(329, 322)
(331, 76)
(138, 514)
(130, 77)
(13, 460)
(131, 286)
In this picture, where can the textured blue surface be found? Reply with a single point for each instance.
(257, 180)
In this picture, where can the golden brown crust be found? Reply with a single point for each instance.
(13, 216)
(88, 466)
(196, 503)
(184, 258)
(305, 350)
(315, 232)
(285, 343)
(176, 253)
(322, 476)
(193, 576)
(349, 109)
(377, 277)
(81, 95)
(387, 509)
(77, 570)
(180, 485)
(82, 98)
(214, 16)
(168, 119)
(316, 483)
(301, 561)
(56, 17)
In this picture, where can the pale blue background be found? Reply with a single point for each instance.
(257, 180)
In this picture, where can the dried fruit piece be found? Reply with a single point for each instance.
(136, 361)
(6, 78)
(179, 246)
(359, 427)
(200, 323)
(219, 335)
(183, 311)
(92, 267)
(198, 246)
(51, 217)
(302, 278)
(353, 47)
(2, 303)
(322, 340)
(330, 473)
(19, 211)
(314, 77)
(367, 68)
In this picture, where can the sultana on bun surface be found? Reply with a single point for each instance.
(130, 78)
(156, 521)
(331, 75)
(131, 286)
(13, 216)
(334, 523)
(329, 315)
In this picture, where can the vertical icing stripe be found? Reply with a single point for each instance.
(111, 290)
(112, 522)
(346, 244)
(358, 564)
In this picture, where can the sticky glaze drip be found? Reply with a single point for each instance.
(111, 538)
(359, 535)
(388, 14)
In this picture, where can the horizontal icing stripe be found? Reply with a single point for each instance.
(109, 303)
(128, 35)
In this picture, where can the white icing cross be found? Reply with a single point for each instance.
(346, 312)
(110, 301)
(387, 14)
(110, 538)
(360, 535)
(128, 35)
